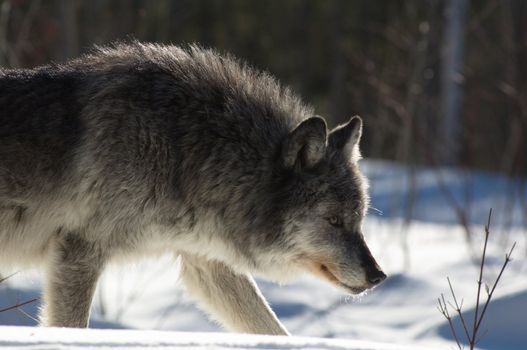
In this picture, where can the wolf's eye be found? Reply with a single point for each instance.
(335, 221)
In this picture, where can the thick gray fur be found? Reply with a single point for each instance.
(144, 149)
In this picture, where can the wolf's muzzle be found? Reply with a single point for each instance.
(375, 276)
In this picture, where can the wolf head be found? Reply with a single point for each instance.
(323, 202)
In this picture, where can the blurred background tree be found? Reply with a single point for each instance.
(436, 81)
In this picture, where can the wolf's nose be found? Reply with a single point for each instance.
(376, 277)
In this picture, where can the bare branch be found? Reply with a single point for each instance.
(474, 337)
(444, 310)
(476, 323)
(458, 310)
(17, 305)
(7, 277)
(505, 263)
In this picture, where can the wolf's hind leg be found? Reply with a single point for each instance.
(232, 299)
(70, 282)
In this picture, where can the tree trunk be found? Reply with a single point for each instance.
(452, 78)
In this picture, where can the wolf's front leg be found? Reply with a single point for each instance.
(72, 275)
(231, 298)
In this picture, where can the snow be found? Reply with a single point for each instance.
(434, 194)
(418, 248)
(60, 338)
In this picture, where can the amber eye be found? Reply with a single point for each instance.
(335, 221)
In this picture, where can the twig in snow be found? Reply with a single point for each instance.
(473, 337)
(17, 305)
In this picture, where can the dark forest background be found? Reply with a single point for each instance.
(436, 82)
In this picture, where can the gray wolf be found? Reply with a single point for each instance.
(141, 149)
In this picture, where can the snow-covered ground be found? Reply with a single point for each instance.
(18, 338)
(417, 256)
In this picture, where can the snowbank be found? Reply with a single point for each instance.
(64, 338)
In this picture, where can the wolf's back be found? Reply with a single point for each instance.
(146, 118)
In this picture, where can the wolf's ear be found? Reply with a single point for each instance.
(346, 138)
(306, 145)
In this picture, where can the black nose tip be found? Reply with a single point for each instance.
(376, 277)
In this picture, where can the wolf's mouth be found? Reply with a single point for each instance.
(332, 278)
